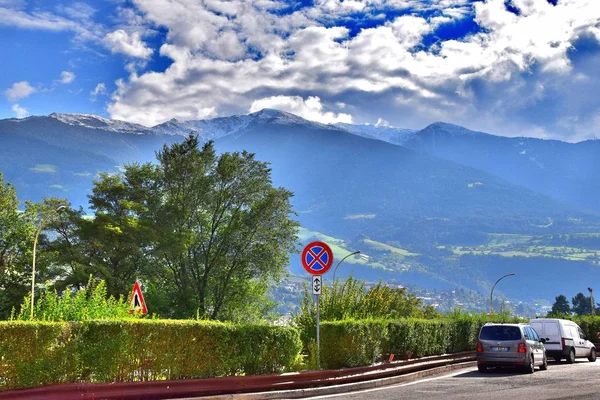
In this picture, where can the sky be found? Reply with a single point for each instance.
(514, 68)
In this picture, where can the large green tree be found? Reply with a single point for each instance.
(207, 234)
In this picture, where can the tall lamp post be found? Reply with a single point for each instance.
(492, 292)
(592, 300)
(37, 235)
(338, 264)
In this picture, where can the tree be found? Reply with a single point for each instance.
(581, 304)
(16, 236)
(222, 228)
(209, 234)
(561, 306)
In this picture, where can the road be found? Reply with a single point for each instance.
(561, 381)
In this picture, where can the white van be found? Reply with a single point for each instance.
(564, 339)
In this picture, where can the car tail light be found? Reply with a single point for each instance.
(522, 348)
(479, 347)
(562, 340)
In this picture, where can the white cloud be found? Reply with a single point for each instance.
(19, 111)
(310, 109)
(19, 90)
(100, 89)
(132, 45)
(67, 77)
(236, 55)
(382, 122)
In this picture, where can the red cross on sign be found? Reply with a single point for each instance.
(317, 258)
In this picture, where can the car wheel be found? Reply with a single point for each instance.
(482, 368)
(530, 369)
(571, 357)
(544, 365)
(592, 357)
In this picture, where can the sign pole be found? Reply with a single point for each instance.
(316, 260)
(318, 338)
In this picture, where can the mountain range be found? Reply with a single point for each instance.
(424, 189)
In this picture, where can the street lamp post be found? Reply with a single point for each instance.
(338, 264)
(37, 235)
(492, 292)
(592, 300)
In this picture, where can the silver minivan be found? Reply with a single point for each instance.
(510, 345)
(564, 339)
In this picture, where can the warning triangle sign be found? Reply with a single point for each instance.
(138, 305)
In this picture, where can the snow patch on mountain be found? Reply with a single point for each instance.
(96, 122)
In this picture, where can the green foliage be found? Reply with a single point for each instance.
(16, 237)
(560, 308)
(209, 233)
(581, 304)
(351, 300)
(43, 353)
(351, 342)
(89, 303)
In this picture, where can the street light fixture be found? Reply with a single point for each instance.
(492, 292)
(338, 264)
(37, 235)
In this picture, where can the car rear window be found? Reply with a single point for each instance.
(499, 332)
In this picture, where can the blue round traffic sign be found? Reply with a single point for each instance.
(317, 258)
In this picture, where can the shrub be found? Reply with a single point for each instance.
(352, 343)
(43, 353)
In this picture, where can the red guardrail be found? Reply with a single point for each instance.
(156, 390)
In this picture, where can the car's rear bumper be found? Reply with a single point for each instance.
(490, 361)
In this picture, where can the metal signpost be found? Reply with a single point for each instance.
(317, 258)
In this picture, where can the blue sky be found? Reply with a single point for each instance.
(516, 68)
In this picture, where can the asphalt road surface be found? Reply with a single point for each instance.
(561, 381)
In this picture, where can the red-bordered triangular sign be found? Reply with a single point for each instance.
(137, 300)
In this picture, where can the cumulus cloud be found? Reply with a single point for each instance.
(239, 55)
(19, 90)
(67, 77)
(310, 109)
(20, 112)
(132, 45)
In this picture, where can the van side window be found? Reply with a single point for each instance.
(581, 334)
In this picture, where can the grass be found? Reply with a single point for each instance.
(338, 247)
(382, 246)
(563, 252)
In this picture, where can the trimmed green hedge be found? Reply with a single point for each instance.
(352, 343)
(43, 353)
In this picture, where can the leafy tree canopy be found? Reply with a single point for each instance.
(206, 233)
